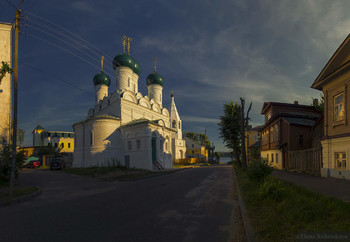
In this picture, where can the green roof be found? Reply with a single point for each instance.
(128, 61)
(154, 78)
(102, 78)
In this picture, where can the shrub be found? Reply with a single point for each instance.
(258, 170)
(5, 162)
(272, 189)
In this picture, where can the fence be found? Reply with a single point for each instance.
(189, 160)
(308, 161)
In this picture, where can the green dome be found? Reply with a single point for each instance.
(155, 78)
(137, 67)
(102, 78)
(124, 60)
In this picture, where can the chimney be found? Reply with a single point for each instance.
(296, 102)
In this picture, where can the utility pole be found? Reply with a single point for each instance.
(15, 98)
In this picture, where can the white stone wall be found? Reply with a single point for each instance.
(5, 86)
(329, 149)
(126, 79)
(101, 91)
(275, 163)
(155, 92)
(97, 143)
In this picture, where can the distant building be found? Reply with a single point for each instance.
(195, 149)
(5, 85)
(334, 82)
(61, 140)
(287, 128)
(252, 138)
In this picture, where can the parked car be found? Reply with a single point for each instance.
(33, 164)
(57, 164)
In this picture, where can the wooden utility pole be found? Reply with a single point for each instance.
(15, 98)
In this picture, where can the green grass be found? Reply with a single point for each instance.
(112, 173)
(296, 210)
(17, 192)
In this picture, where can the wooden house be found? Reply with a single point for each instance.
(287, 128)
(334, 81)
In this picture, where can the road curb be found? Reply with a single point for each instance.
(151, 176)
(246, 224)
(21, 199)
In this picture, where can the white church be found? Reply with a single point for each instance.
(125, 127)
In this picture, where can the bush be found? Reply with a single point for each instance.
(5, 162)
(272, 189)
(258, 170)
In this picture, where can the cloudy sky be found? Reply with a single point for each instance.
(209, 52)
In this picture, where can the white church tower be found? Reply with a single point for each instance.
(126, 70)
(179, 146)
(155, 86)
(101, 83)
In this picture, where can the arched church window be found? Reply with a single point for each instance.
(174, 124)
(166, 146)
(179, 125)
(92, 138)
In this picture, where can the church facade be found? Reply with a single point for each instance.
(127, 128)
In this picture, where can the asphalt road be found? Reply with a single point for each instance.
(190, 205)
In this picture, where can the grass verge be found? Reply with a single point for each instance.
(280, 211)
(113, 173)
(17, 192)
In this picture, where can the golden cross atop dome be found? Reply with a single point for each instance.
(129, 40)
(102, 63)
(124, 40)
(155, 63)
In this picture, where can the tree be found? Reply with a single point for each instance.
(5, 162)
(230, 130)
(217, 156)
(319, 104)
(5, 68)
(243, 121)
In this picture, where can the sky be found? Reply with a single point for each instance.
(209, 52)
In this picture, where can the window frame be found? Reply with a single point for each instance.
(336, 159)
(341, 120)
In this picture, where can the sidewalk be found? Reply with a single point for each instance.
(329, 186)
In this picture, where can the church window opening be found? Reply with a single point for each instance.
(130, 145)
(68, 145)
(62, 145)
(179, 125)
(174, 124)
(166, 145)
(138, 144)
(92, 138)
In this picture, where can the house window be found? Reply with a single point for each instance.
(192, 145)
(339, 110)
(68, 145)
(272, 136)
(268, 116)
(276, 158)
(130, 145)
(272, 158)
(276, 133)
(138, 144)
(301, 140)
(340, 160)
(192, 151)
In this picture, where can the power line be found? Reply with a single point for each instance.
(65, 43)
(64, 35)
(48, 21)
(92, 64)
(53, 77)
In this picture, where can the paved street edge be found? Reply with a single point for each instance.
(246, 224)
(21, 199)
